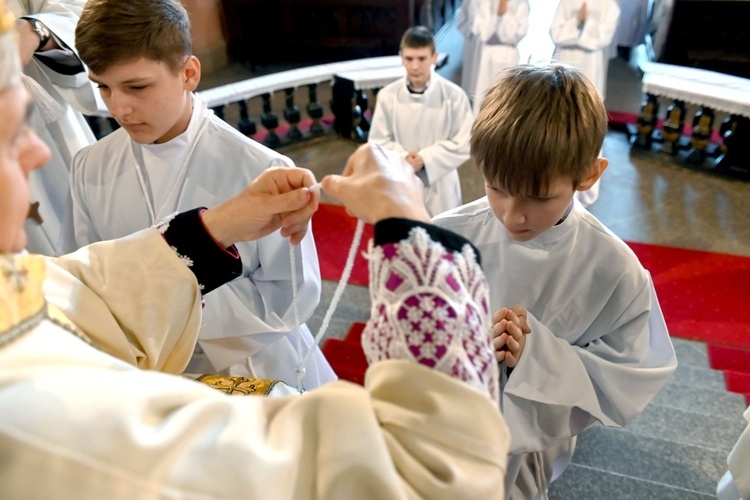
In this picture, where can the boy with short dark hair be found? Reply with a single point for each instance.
(427, 119)
(173, 154)
(598, 350)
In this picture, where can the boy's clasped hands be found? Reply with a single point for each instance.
(509, 330)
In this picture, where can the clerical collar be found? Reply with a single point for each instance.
(565, 215)
(412, 90)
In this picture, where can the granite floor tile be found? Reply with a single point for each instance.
(585, 483)
(658, 460)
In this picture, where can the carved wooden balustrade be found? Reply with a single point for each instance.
(703, 144)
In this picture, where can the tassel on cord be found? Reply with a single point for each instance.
(46, 109)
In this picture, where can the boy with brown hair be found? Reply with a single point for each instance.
(576, 323)
(170, 154)
(427, 119)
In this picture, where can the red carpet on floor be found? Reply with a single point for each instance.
(333, 230)
(704, 296)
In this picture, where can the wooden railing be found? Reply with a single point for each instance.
(707, 145)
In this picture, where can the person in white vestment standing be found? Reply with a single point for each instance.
(468, 25)
(170, 154)
(427, 119)
(78, 422)
(61, 91)
(501, 25)
(576, 324)
(582, 31)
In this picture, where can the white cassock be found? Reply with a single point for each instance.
(66, 134)
(735, 484)
(79, 423)
(435, 124)
(468, 25)
(598, 350)
(248, 325)
(499, 36)
(586, 48)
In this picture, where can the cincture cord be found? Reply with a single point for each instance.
(331, 307)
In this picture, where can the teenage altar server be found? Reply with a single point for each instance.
(61, 91)
(170, 154)
(427, 119)
(501, 25)
(577, 324)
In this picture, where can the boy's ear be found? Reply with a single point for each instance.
(192, 73)
(600, 165)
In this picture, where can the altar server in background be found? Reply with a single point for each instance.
(582, 31)
(468, 25)
(501, 25)
(172, 154)
(427, 119)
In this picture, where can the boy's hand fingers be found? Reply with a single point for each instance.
(499, 314)
(499, 328)
(499, 343)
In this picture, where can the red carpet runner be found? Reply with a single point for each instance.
(704, 297)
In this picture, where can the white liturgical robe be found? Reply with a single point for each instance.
(499, 37)
(468, 25)
(598, 350)
(61, 74)
(249, 325)
(586, 47)
(436, 125)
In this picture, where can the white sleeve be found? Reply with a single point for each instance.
(381, 128)
(557, 389)
(77, 228)
(509, 28)
(443, 157)
(597, 32)
(600, 26)
(61, 18)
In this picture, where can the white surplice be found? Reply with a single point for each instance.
(499, 36)
(468, 25)
(586, 47)
(598, 350)
(435, 124)
(252, 317)
(79, 423)
(67, 134)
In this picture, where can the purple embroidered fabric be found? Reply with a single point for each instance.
(431, 306)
